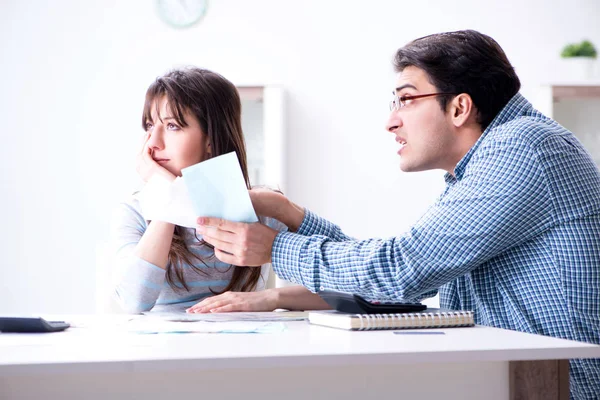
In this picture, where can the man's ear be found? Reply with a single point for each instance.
(462, 109)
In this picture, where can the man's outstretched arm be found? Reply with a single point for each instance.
(497, 205)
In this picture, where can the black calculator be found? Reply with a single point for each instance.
(353, 303)
(30, 325)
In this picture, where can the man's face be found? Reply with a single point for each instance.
(422, 129)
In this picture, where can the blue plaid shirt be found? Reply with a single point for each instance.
(515, 237)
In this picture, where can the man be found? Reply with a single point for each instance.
(515, 236)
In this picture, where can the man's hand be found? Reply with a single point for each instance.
(264, 300)
(238, 243)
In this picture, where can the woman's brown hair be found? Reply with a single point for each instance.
(215, 102)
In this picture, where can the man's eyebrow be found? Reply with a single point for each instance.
(408, 85)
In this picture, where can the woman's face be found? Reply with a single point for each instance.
(175, 147)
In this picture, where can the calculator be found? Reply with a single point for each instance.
(30, 325)
(353, 303)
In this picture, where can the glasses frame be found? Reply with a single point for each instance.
(399, 102)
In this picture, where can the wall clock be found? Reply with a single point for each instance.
(181, 13)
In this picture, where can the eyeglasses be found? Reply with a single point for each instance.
(399, 102)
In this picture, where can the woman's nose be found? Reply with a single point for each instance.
(156, 138)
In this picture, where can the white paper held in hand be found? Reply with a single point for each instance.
(163, 200)
(217, 189)
(212, 188)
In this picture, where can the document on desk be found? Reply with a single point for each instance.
(154, 326)
(228, 317)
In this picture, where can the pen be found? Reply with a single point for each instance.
(418, 333)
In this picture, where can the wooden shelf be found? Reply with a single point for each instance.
(265, 140)
(252, 93)
(563, 92)
(551, 93)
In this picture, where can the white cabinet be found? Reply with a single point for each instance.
(263, 122)
(263, 125)
(576, 106)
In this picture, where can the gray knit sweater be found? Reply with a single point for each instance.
(141, 286)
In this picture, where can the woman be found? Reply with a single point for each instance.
(190, 115)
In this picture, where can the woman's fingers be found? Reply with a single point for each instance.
(206, 303)
(233, 301)
(227, 308)
(145, 139)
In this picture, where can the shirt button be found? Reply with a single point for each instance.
(321, 288)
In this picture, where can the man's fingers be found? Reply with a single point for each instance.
(213, 233)
(228, 253)
(226, 257)
(221, 245)
(220, 223)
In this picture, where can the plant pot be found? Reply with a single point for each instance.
(579, 68)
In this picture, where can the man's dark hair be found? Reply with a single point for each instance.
(464, 62)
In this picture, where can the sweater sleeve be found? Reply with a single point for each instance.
(137, 283)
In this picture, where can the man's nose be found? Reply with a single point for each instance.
(394, 122)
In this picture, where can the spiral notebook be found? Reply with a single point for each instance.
(429, 318)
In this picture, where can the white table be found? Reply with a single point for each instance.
(303, 362)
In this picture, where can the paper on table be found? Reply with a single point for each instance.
(217, 189)
(151, 325)
(234, 316)
(163, 200)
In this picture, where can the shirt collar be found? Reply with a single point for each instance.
(516, 107)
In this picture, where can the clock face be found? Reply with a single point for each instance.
(181, 13)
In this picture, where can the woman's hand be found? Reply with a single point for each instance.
(146, 166)
(265, 300)
(269, 203)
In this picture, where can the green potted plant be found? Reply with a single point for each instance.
(581, 58)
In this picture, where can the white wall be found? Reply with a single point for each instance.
(74, 74)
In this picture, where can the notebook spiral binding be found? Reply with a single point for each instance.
(414, 320)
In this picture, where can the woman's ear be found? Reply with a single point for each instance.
(208, 149)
